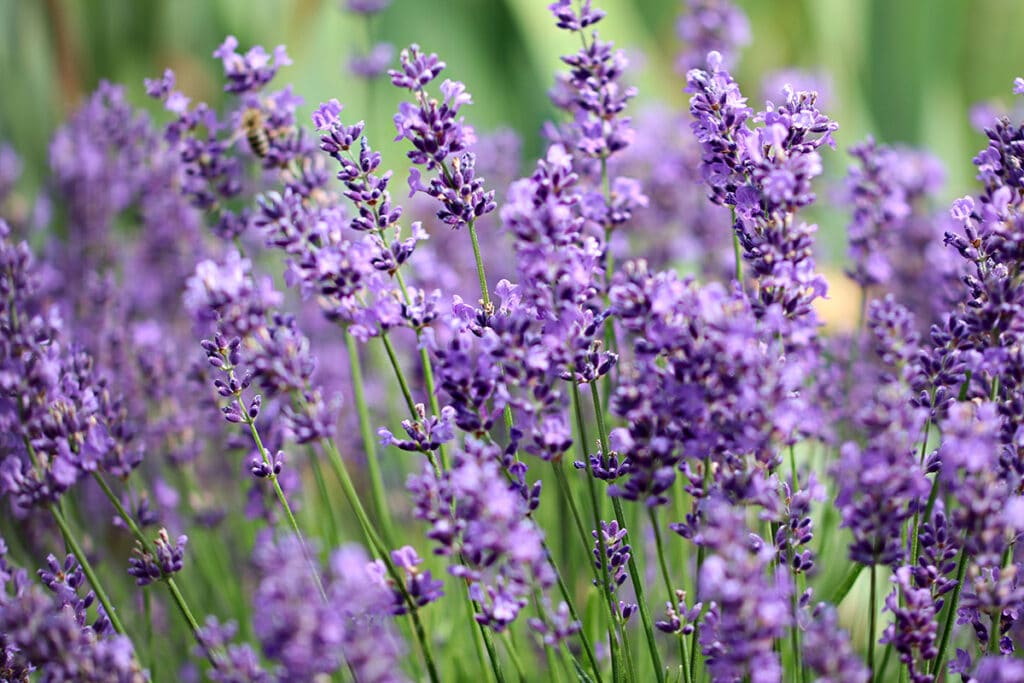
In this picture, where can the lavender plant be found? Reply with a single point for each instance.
(384, 495)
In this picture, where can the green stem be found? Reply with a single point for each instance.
(479, 645)
(844, 588)
(994, 633)
(794, 633)
(737, 250)
(485, 298)
(601, 573)
(566, 495)
(885, 663)
(652, 515)
(377, 491)
(802, 587)
(628, 653)
(584, 638)
(492, 655)
(428, 369)
(915, 541)
(147, 547)
(484, 293)
(794, 478)
(147, 606)
(549, 654)
(610, 340)
(374, 541)
(428, 380)
(514, 656)
(602, 431)
(285, 506)
(929, 506)
(399, 375)
(609, 260)
(90, 574)
(634, 574)
(321, 487)
(683, 665)
(435, 405)
(641, 599)
(485, 635)
(695, 639)
(183, 607)
(872, 610)
(950, 610)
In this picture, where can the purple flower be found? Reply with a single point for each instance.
(766, 174)
(263, 470)
(366, 6)
(711, 26)
(234, 662)
(53, 400)
(991, 603)
(996, 670)
(777, 82)
(616, 553)
(46, 633)
(373, 63)
(747, 611)
(476, 515)
(417, 70)
(884, 191)
(440, 139)
(704, 391)
(571, 19)
(914, 626)
(827, 650)
(971, 453)
(251, 71)
(558, 626)
(720, 126)
(797, 532)
(881, 481)
(420, 585)
(597, 99)
(309, 637)
(169, 559)
(559, 265)
(65, 580)
(679, 618)
(425, 435)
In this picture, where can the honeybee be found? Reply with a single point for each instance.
(256, 132)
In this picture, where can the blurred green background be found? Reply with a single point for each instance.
(907, 70)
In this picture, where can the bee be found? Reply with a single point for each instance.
(256, 132)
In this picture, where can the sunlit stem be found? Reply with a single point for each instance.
(634, 574)
(377, 491)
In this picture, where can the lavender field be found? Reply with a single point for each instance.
(291, 396)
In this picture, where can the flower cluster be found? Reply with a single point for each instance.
(48, 631)
(746, 609)
(310, 640)
(765, 175)
(703, 393)
(480, 522)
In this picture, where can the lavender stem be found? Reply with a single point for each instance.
(87, 569)
(377, 494)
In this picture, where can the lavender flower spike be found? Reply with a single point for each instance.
(169, 559)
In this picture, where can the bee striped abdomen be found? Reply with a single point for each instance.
(256, 133)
